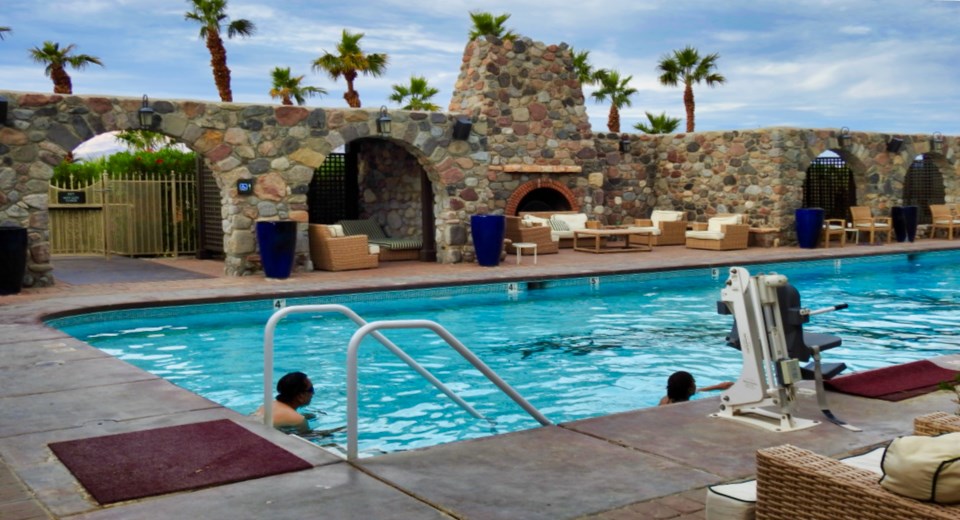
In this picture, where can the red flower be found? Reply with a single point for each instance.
(159, 161)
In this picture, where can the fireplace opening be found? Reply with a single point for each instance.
(544, 199)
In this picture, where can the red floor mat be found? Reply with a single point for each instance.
(133, 465)
(893, 383)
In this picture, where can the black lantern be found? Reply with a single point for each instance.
(624, 144)
(3, 110)
(844, 138)
(383, 122)
(461, 128)
(936, 143)
(148, 117)
(894, 144)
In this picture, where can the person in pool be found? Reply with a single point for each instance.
(294, 390)
(681, 386)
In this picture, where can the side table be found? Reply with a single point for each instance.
(520, 246)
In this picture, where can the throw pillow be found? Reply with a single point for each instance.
(559, 225)
(336, 230)
(924, 468)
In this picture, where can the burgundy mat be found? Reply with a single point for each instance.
(893, 383)
(177, 458)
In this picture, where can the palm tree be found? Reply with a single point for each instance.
(349, 62)
(4, 30)
(211, 14)
(687, 67)
(286, 86)
(661, 124)
(582, 67)
(485, 24)
(419, 93)
(56, 59)
(614, 88)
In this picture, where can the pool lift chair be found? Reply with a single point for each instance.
(768, 330)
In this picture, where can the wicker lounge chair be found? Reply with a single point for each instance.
(943, 218)
(723, 233)
(390, 248)
(834, 228)
(865, 222)
(516, 231)
(667, 228)
(794, 483)
(339, 253)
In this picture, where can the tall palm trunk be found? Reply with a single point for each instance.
(218, 61)
(689, 105)
(61, 80)
(352, 96)
(286, 100)
(613, 120)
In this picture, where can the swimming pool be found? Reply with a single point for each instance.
(575, 348)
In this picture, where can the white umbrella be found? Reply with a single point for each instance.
(108, 144)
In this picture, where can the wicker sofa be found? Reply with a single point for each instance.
(390, 248)
(330, 250)
(793, 483)
(571, 221)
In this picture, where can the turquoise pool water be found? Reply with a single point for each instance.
(575, 348)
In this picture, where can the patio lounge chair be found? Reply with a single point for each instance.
(390, 248)
(865, 222)
(834, 228)
(666, 228)
(331, 250)
(519, 231)
(723, 233)
(943, 218)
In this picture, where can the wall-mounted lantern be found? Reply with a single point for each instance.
(461, 128)
(149, 120)
(383, 121)
(624, 143)
(936, 142)
(844, 139)
(3, 111)
(894, 144)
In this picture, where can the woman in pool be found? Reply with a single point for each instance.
(681, 386)
(294, 390)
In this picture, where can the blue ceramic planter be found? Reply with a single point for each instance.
(809, 226)
(13, 258)
(487, 231)
(278, 244)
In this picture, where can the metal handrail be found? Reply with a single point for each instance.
(372, 329)
(348, 312)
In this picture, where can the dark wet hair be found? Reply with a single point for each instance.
(290, 386)
(680, 387)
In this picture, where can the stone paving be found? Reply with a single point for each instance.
(650, 463)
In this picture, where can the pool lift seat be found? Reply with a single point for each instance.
(770, 336)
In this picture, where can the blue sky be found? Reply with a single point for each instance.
(870, 65)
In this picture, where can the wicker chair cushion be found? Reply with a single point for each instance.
(924, 468)
(559, 225)
(660, 215)
(336, 230)
(367, 227)
(574, 221)
(706, 235)
(653, 230)
(716, 224)
(374, 249)
(532, 220)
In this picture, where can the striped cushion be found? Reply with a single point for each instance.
(366, 226)
(558, 225)
(397, 244)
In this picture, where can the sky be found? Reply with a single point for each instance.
(888, 66)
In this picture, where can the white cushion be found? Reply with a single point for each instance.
(374, 249)
(336, 230)
(716, 224)
(645, 229)
(535, 220)
(574, 221)
(662, 215)
(869, 461)
(875, 225)
(732, 501)
(924, 468)
(705, 235)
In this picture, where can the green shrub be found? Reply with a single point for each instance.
(128, 165)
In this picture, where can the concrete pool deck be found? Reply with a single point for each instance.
(648, 463)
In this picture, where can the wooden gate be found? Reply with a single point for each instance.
(131, 215)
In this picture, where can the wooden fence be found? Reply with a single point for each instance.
(130, 215)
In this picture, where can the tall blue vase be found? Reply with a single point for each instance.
(13, 258)
(809, 226)
(487, 231)
(278, 245)
(904, 222)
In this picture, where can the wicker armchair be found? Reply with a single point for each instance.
(671, 233)
(794, 483)
(516, 232)
(339, 253)
(723, 233)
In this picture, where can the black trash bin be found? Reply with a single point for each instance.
(13, 258)
(904, 222)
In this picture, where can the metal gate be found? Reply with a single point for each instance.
(830, 186)
(211, 218)
(130, 215)
(333, 193)
(922, 187)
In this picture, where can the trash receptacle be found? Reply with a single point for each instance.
(809, 226)
(13, 258)
(277, 240)
(487, 232)
(904, 222)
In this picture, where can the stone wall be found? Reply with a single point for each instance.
(390, 188)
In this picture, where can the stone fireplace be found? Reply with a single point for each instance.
(541, 195)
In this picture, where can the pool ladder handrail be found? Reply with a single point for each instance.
(373, 329)
(268, 337)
